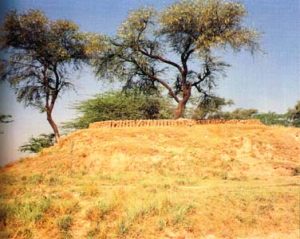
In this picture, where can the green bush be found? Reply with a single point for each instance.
(36, 144)
(120, 106)
(272, 118)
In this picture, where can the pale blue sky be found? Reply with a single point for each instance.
(268, 82)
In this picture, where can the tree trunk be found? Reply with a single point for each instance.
(179, 112)
(53, 125)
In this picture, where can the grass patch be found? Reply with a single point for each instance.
(7, 179)
(180, 213)
(133, 197)
(64, 224)
(99, 211)
(27, 211)
(123, 226)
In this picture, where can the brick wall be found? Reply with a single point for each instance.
(180, 122)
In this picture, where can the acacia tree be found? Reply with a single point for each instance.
(174, 48)
(38, 56)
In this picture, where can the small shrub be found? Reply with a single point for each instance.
(123, 227)
(92, 233)
(99, 211)
(141, 210)
(180, 213)
(36, 144)
(64, 224)
(31, 211)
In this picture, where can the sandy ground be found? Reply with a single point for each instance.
(200, 181)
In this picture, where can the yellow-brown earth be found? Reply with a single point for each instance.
(199, 181)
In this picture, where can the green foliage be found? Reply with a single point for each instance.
(37, 66)
(38, 55)
(272, 118)
(187, 30)
(180, 213)
(294, 115)
(28, 211)
(241, 114)
(5, 118)
(211, 23)
(120, 106)
(210, 107)
(36, 144)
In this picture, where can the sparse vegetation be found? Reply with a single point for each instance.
(160, 188)
(64, 224)
(36, 144)
(144, 178)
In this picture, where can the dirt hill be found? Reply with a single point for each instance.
(187, 181)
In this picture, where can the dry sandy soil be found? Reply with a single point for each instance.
(201, 181)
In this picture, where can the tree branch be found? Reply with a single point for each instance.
(154, 78)
(149, 54)
(202, 78)
(161, 59)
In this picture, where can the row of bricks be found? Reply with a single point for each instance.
(185, 122)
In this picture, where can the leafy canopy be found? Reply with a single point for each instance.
(37, 55)
(159, 47)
